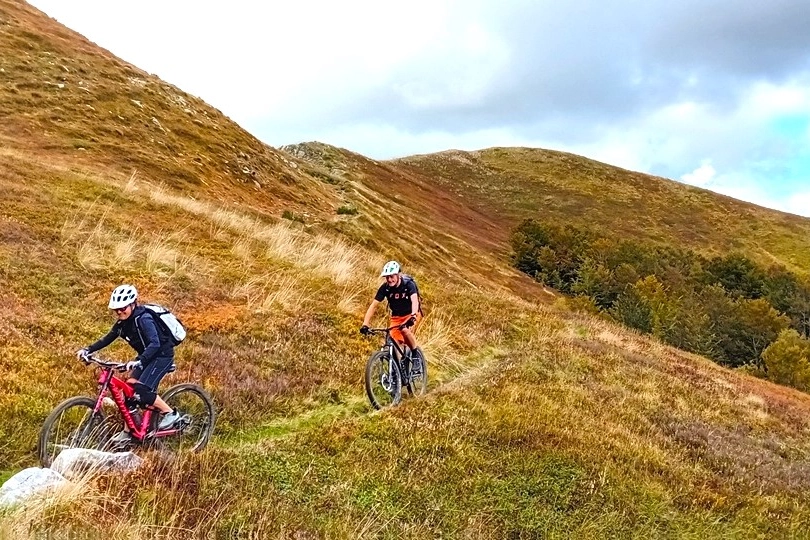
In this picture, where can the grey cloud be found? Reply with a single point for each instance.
(575, 67)
(753, 39)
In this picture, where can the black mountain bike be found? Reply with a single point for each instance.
(391, 368)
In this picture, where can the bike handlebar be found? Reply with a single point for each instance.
(92, 359)
(386, 330)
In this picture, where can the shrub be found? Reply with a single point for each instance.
(292, 216)
(580, 303)
(787, 360)
(348, 210)
(754, 371)
(726, 308)
(738, 275)
(633, 310)
(594, 280)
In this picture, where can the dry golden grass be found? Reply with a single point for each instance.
(52, 505)
(438, 334)
(100, 246)
(320, 254)
(264, 294)
(517, 183)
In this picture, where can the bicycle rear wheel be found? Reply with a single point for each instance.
(197, 417)
(417, 385)
(72, 424)
(383, 381)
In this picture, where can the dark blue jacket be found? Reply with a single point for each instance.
(142, 332)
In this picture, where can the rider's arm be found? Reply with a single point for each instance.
(370, 312)
(414, 304)
(149, 335)
(106, 340)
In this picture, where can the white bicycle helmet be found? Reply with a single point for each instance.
(122, 296)
(390, 268)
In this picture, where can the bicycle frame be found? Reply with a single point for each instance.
(120, 391)
(390, 346)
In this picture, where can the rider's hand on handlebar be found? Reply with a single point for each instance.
(132, 365)
(410, 322)
(364, 330)
(82, 354)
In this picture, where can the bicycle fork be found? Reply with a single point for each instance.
(387, 373)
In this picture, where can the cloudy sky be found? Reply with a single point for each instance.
(715, 93)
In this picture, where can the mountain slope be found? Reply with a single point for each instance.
(539, 422)
(83, 107)
(519, 183)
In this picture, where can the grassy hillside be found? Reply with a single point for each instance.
(519, 183)
(538, 422)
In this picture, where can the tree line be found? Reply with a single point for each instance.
(727, 308)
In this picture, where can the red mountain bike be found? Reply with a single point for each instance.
(84, 422)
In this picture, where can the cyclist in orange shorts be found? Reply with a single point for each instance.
(406, 308)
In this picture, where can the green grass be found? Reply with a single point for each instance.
(290, 424)
(563, 438)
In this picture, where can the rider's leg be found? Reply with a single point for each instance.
(157, 402)
(409, 336)
(406, 334)
(410, 339)
(151, 375)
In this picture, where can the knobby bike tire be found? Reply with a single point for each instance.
(372, 380)
(80, 437)
(207, 422)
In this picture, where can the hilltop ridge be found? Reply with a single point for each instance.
(521, 183)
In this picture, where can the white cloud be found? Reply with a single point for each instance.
(766, 99)
(798, 203)
(701, 176)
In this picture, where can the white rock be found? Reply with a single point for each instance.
(79, 461)
(29, 482)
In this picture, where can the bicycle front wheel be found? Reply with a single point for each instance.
(383, 380)
(72, 424)
(197, 417)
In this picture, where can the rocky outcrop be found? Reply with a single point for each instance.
(71, 465)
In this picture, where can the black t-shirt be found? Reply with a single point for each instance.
(399, 297)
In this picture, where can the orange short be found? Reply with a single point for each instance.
(396, 333)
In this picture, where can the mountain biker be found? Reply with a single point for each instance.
(155, 359)
(406, 307)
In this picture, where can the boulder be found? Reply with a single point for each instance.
(28, 482)
(81, 461)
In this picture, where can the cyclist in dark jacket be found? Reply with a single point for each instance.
(155, 349)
